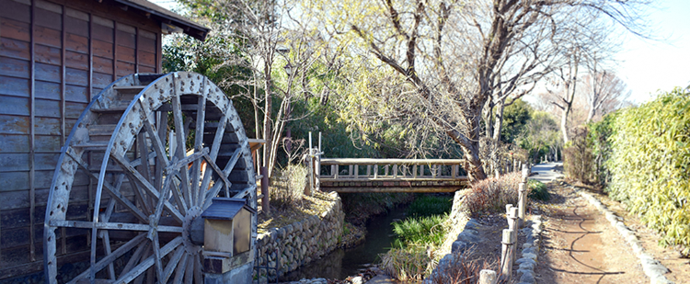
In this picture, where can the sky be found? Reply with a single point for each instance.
(646, 66)
(651, 65)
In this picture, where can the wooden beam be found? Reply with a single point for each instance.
(368, 161)
(390, 189)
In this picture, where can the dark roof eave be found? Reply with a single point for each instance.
(188, 26)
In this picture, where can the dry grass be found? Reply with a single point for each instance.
(288, 202)
(410, 263)
(492, 195)
(464, 269)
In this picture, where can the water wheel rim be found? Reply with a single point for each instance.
(136, 116)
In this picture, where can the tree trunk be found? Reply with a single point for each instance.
(499, 122)
(592, 112)
(267, 118)
(570, 95)
(564, 123)
(488, 121)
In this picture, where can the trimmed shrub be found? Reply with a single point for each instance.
(599, 141)
(650, 165)
(492, 195)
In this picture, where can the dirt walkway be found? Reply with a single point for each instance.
(578, 245)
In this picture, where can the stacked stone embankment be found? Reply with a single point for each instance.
(285, 249)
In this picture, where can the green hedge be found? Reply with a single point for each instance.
(650, 164)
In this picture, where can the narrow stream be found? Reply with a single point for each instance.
(339, 264)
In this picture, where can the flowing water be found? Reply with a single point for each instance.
(339, 264)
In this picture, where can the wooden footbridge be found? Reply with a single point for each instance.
(390, 175)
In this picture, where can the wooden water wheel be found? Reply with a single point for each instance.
(141, 164)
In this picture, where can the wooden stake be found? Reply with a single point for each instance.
(487, 276)
(513, 225)
(506, 254)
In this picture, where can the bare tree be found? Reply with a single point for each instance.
(605, 92)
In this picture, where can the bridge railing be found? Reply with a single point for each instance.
(364, 169)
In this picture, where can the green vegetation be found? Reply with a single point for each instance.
(417, 237)
(425, 206)
(425, 230)
(540, 136)
(538, 190)
(650, 164)
(515, 119)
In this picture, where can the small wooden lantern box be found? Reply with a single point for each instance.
(227, 227)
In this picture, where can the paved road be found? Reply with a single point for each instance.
(545, 172)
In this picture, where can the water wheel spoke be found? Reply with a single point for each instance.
(140, 195)
(105, 237)
(162, 200)
(181, 165)
(147, 186)
(112, 190)
(180, 142)
(179, 271)
(223, 176)
(245, 192)
(218, 139)
(213, 192)
(153, 235)
(144, 156)
(197, 270)
(189, 271)
(136, 256)
(177, 195)
(149, 261)
(112, 257)
(112, 226)
(156, 142)
(198, 145)
(172, 263)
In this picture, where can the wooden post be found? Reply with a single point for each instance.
(349, 171)
(521, 203)
(414, 170)
(506, 254)
(334, 171)
(311, 167)
(368, 171)
(265, 205)
(513, 216)
(525, 172)
(522, 191)
(356, 170)
(487, 276)
(376, 171)
(395, 171)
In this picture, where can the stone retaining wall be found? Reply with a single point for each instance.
(285, 249)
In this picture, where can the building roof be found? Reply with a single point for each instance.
(224, 208)
(169, 18)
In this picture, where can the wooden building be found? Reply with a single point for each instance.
(55, 56)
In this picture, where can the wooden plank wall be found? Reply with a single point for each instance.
(54, 58)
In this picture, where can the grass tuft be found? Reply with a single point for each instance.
(538, 190)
